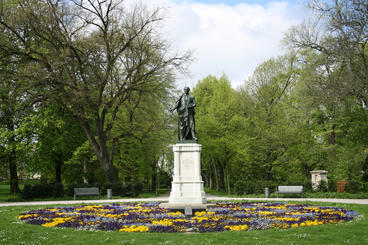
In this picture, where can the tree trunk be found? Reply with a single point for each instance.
(158, 180)
(210, 177)
(331, 137)
(110, 171)
(58, 165)
(365, 169)
(228, 181)
(100, 149)
(268, 170)
(215, 175)
(221, 176)
(85, 178)
(154, 177)
(205, 176)
(14, 187)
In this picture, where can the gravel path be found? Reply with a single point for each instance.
(166, 199)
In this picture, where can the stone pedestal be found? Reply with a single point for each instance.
(317, 177)
(187, 184)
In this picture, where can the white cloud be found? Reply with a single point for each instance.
(225, 39)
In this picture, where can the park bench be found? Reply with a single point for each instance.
(86, 191)
(285, 189)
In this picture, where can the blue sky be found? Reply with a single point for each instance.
(228, 38)
(235, 2)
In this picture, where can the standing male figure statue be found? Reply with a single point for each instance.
(186, 123)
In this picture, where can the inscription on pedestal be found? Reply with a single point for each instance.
(186, 167)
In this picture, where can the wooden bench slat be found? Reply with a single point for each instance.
(86, 191)
(285, 189)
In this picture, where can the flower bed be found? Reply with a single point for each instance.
(148, 217)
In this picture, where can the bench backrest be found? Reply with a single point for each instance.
(87, 190)
(291, 189)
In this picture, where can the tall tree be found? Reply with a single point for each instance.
(15, 140)
(335, 79)
(8, 123)
(340, 37)
(149, 124)
(219, 129)
(57, 134)
(268, 88)
(90, 56)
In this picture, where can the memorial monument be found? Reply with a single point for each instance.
(187, 185)
(317, 177)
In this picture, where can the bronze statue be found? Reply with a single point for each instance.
(186, 123)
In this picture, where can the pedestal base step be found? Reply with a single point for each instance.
(181, 207)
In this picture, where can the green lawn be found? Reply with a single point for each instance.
(14, 232)
(5, 196)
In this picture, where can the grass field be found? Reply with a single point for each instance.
(13, 231)
(5, 196)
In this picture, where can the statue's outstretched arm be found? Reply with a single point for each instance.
(177, 104)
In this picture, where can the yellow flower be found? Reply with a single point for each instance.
(164, 222)
(57, 221)
(287, 219)
(134, 228)
(26, 216)
(178, 220)
(174, 213)
(237, 227)
(204, 213)
(266, 213)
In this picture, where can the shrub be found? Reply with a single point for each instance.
(58, 190)
(251, 186)
(307, 186)
(364, 186)
(43, 191)
(118, 189)
(323, 186)
(353, 186)
(137, 188)
(27, 192)
(332, 185)
(240, 187)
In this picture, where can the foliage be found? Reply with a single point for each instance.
(244, 187)
(42, 191)
(219, 128)
(91, 58)
(57, 134)
(86, 87)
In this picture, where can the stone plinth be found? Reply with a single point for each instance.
(317, 177)
(181, 207)
(187, 184)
